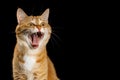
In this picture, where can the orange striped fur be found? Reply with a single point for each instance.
(30, 60)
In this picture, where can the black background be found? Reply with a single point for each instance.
(80, 26)
(8, 22)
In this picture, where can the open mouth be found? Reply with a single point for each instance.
(35, 38)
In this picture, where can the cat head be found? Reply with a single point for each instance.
(32, 31)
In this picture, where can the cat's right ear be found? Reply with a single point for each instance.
(20, 15)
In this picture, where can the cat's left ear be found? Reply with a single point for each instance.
(45, 15)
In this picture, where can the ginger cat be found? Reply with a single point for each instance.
(30, 60)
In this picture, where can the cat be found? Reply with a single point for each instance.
(30, 59)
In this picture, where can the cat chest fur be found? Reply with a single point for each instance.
(29, 62)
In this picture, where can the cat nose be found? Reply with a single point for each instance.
(38, 27)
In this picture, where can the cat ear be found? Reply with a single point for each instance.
(20, 15)
(45, 15)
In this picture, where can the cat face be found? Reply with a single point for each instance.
(32, 31)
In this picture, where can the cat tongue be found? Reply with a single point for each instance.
(35, 40)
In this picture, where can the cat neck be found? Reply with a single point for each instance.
(32, 52)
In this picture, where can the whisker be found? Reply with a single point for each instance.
(57, 36)
(55, 40)
(52, 41)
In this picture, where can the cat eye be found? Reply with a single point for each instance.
(25, 31)
(42, 24)
(31, 24)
